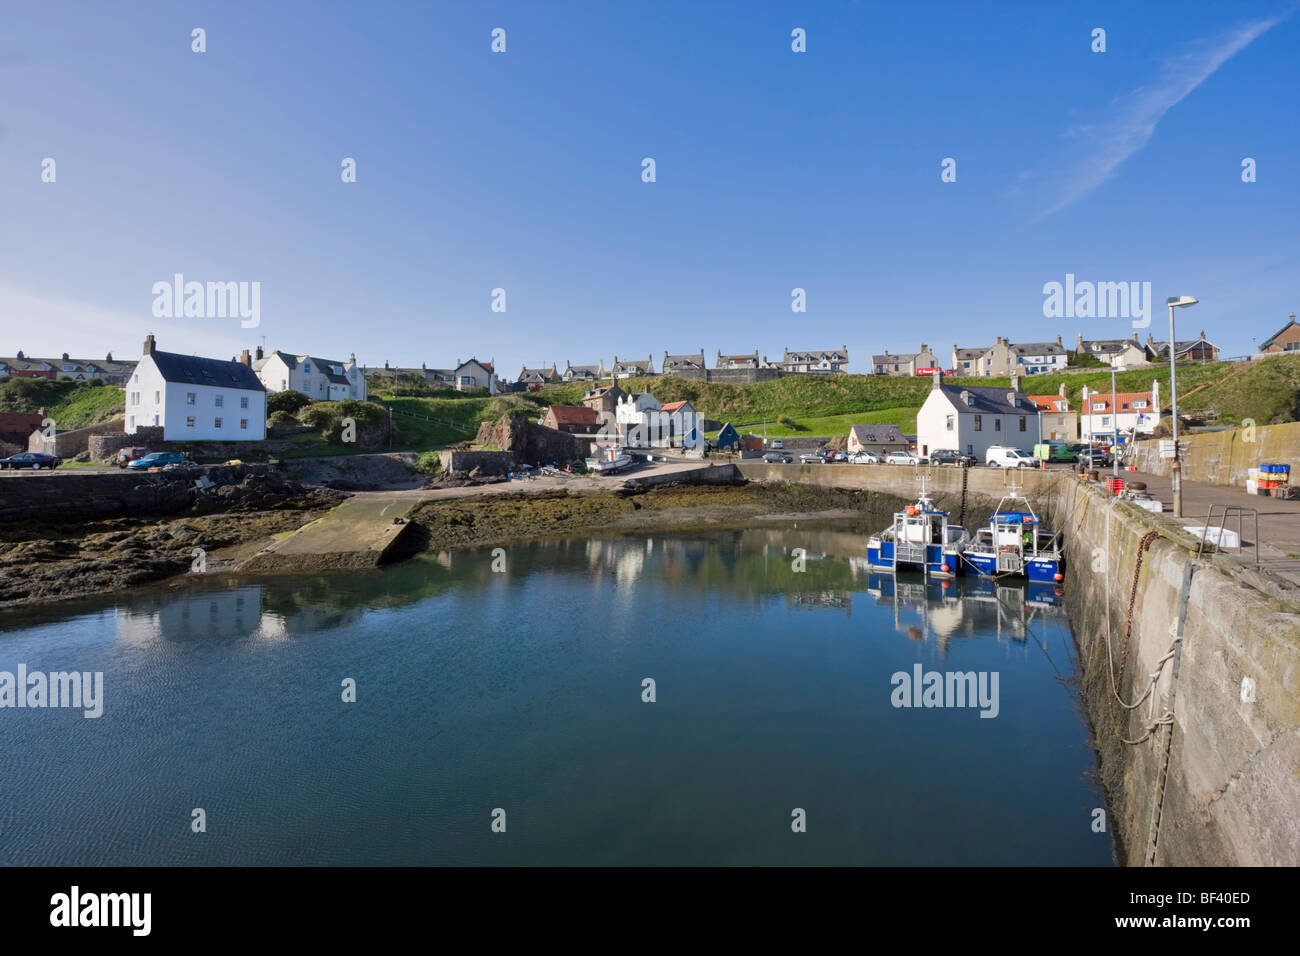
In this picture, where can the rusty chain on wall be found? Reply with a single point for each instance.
(1145, 543)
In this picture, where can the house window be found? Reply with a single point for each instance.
(155, 420)
(243, 424)
(950, 422)
(189, 421)
(1140, 404)
(157, 398)
(997, 424)
(243, 401)
(130, 422)
(216, 422)
(979, 423)
(220, 400)
(1022, 422)
(1099, 407)
(307, 367)
(1105, 421)
(191, 398)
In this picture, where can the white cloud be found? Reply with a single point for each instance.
(1132, 118)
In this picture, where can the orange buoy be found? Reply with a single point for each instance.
(1058, 576)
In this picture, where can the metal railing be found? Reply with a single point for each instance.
(910, 553)
(1241, 512)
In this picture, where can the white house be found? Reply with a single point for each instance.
(322, 380)
(1132, 413)
(195, 399)
(970, 420)
(631, 413)
(676, 424)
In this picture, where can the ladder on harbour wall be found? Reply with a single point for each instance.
(965, 478)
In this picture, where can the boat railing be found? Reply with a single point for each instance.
(908, 552)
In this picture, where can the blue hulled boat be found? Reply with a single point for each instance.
(1014, 544)
(920, 538)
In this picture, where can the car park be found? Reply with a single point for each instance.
(34, 460)
(949, 456)
(901, 458)
(864, 458)
(1004, 456)
(777, 457)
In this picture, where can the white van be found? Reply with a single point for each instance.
(1003, 456)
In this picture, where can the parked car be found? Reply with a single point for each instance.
(1003, 456)
(812, 458)
(776, 443)
(864, 458)
(948, 456)
(777, 457)
(127, 455)
(158, 459)
(34, 460)
(901, 458)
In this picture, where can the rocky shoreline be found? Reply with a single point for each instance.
(43, 561)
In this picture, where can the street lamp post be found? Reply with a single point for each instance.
(1176, 302)
(1114, 411)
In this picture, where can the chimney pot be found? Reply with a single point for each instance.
(65, 356)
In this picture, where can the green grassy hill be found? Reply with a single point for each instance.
(1266, 390)
(69, 404)
(431, 422)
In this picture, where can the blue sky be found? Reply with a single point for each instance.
(522, 170)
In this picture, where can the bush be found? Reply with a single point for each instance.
(371, 420)
(1085, 360)
(281, 417)
(429, 463)
(788, 422)
(286, 401)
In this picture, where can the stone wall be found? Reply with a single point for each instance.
(71, 443)
(490, 461)
(1222, 458)
(105, 446)
(62, 496)
(1233, 781)
(730, 376)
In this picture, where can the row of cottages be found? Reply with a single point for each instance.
(1003, 357)
(1286, 339)
(109, 370)
(971, 419)
(814, 362)
(195, 399)
(322, 380)
(1129, 413)
(818, 361)
(466, 376)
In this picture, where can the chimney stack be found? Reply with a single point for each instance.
(245, 358)
(65, 356)
(149, 344)
(1058, 340)
(258, 353)
(108, 357)
(938, 379)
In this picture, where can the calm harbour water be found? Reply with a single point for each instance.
(523, 690)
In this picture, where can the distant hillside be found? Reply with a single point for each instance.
(69, 404)
(1266, 390)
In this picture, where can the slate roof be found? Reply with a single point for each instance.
(987, 401)
(193, 370)
(675, 362)
(878, 434)
(1040, 348)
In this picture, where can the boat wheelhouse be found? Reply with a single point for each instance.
(1015, 544)
(921, 539)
